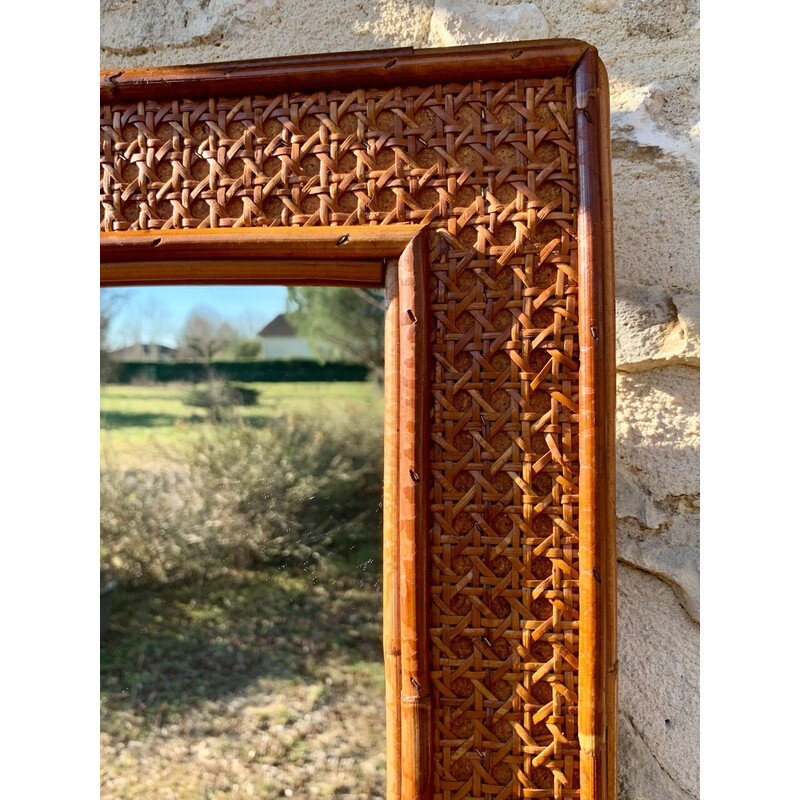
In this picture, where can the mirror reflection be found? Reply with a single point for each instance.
(240, 558)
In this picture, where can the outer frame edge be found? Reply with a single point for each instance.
(609, 468)
(597, 523)
(376, 68)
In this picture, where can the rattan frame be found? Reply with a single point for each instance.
(425, 757)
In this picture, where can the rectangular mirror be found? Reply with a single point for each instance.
(241, 546)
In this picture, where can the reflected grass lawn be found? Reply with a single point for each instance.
(164, 405)
(264, 682)
(152, 426)
(255, 682)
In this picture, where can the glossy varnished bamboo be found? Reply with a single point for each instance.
(397, 67)
(414, 525)
(266, 272)
(391, 540)
(610, 540)
(356, 242)
(252, 255)
(597, 660)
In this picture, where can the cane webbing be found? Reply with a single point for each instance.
(490, 166)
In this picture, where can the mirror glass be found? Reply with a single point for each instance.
(240, 554)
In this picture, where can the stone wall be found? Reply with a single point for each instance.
(651, 50)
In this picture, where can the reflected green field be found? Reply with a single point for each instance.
(150, 426)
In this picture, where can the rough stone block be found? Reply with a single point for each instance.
(670, 552)
(640, 775)
(601, 6)
(196, 31)
(658, 430)
(663, 116)
(654, 328)
(658, 690)
(658, 19)
(656, 219)
(635, 502)
(457, 22)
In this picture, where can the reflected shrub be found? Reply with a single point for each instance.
(219, 396)
(293, 490)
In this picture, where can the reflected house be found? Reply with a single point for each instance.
(280, 340)
(145, 352)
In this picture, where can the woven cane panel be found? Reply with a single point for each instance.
(491, 167)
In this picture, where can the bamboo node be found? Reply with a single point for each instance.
(414, 700)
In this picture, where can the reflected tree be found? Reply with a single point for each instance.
(339, 323)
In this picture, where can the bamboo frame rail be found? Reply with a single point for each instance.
(597, 666)
(392, 67)
(392, 651)
(414, 484)
(474, 184)
(284, 256)
(256, 255)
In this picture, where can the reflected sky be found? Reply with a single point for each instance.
(157, 313)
